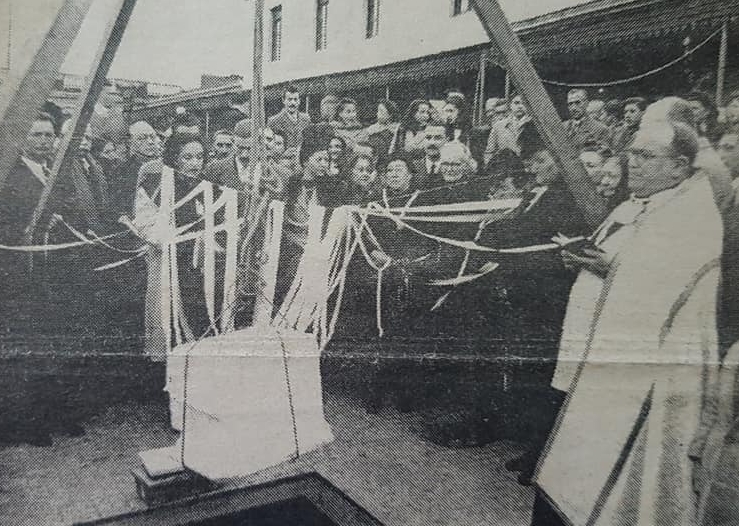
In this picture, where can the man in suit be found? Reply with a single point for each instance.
(33, 302)
(143, 147)
(428, 168)
(290, 122)
(223, 144)
(27, 179)
(229, 171)
(581, 127)
(623, 135)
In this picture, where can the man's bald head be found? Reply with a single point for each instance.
(456, 162)
(143, 142)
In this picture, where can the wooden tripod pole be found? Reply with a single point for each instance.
(721, 73)
(22, 95)
(90, 94)
(529, 86)
(257, 92)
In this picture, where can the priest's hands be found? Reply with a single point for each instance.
(593, 260)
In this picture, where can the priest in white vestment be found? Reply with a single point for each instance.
(620, 453)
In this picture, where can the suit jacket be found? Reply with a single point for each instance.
(623, 137)
(292, 130)
(123, 186)
(421, 178)
(538, 219)
(588, 130)
(18, 198)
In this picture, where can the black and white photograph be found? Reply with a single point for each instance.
(369, 262)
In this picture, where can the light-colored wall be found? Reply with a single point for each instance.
(408, 29)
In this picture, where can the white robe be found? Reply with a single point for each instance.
(585, 293)
(619, 453)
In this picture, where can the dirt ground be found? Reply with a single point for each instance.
(377, 459)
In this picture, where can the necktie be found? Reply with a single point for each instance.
(47, 173)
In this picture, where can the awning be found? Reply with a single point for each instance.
(593, 25)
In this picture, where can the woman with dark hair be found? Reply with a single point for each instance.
(361, 173)
(404, 294)
(346, 124)
(397, 177)
(454, 113)
(336, 155)
(409, 137)
(381, 133)
(183, 160)
(706, 115)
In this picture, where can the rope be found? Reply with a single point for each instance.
(290, 396)
(213, 328)
(635, 77)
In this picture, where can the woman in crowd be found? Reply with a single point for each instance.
(732, 112)
(706, 115)
(592, 158)
(183, 159)
(397, 180)
(455, 117)
(347, 126)
(607, 171)
(381, 133)
(409, 137)
(613, 113)
(336, 155)
(106, 153)
(362, 177)
(613, 183)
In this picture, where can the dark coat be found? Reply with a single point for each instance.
(123, 187)
(526, 296)
(589, 131)
(421, 177)
(18, 198)
(223, 172)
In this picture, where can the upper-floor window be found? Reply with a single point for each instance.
(373, 18)
(321, 24)
(460, 6)
(276, 49)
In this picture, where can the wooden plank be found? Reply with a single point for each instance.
(721, 72)
(257, 92)
(91, 92)
(529, 86)
(22, 96)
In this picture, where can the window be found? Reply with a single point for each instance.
(321, 24)
(460, 6)
(276, 33)
(373, 18)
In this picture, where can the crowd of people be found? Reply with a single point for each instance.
(662, 173)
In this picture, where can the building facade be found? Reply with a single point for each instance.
(373, 49)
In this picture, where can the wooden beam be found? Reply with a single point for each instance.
(91, 92)
(257, 92)
(529, 86)
(22, 95)
(721, 73)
